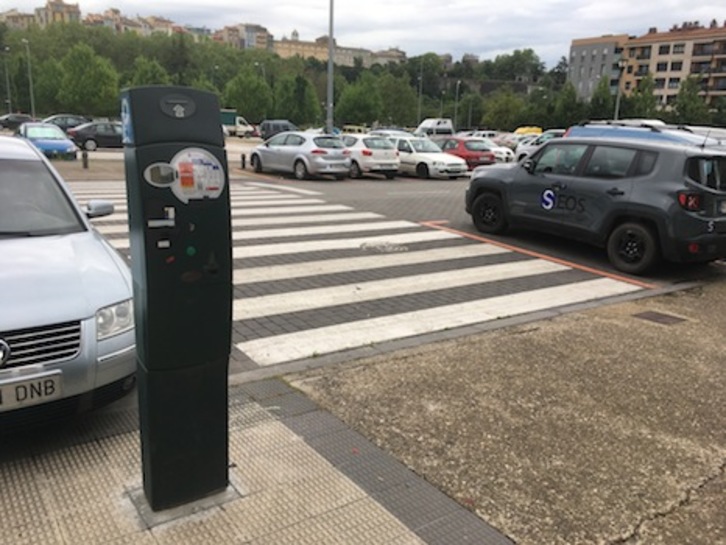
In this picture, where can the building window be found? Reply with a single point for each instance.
(677, 66)
(674, 83)
(660, 83)
(679, 49)
(664, 49)
(628, 85)
(661, 67)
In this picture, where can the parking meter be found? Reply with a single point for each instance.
(181, 263)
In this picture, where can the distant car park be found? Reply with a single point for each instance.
(475, 151)
(97, 134)
(49, 139)
(67, 338)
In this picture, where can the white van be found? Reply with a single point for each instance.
(435, 125)
(243, 128)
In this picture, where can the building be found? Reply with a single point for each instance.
(16, 20)
(670, 57)
(594, 58)
(343, 56)
(57, 11)
(255, 37)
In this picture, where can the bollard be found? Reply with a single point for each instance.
(244, 160)
(84, 157)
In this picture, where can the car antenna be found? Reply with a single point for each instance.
(705, 139)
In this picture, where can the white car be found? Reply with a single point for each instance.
(371, 154)
(423, 158)
(526, 148)
(502, 154)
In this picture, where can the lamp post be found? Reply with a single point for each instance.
(420, 90)
(441, 103)
(331, 51)
(262, 67)
(30, 78)
(456, 103)
(622, 63)
(9, 98)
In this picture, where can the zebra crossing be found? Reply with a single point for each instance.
(314, 278)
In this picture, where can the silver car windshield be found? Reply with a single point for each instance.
(32, 202)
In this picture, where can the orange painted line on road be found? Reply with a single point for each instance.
(440, 224)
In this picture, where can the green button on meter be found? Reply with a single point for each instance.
(191, 251)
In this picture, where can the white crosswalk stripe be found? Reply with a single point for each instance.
(327, 284)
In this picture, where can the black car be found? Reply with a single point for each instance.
(66, 121)
(97, 134)
(271, 127)
(639, 199)
(13, 121)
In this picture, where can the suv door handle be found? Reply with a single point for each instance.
(559, 185)
(615, 192)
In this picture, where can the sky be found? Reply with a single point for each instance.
(479, 27)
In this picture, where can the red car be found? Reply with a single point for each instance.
(474, 151)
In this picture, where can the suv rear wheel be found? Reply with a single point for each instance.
(632, 248)
(488, 214)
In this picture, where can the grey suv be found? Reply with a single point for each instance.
(639, 199)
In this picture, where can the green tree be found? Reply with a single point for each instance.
(248, 93)
(719, 113)
(398, 100)
(503, 110)
(643, 102)
(89, 84)
(360, 103)
(568, 108)
(296, 100)
(690, 108)
(601, 103)
(148, 72)
(45, 85)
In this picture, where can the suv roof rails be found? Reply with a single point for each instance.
(622, 123)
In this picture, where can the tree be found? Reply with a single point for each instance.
(690, 108)
(89, 83)
(568, 108)
(398, 100)
(643, 102)
(361, 102)
(249, 94)
(45, 87)
(602, 104)
(148, 72)
(296, 100)
(503, 110)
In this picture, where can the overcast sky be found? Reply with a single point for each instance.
(483, 28)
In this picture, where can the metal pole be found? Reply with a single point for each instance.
(622, 63)
(7, 80)
(420, 89)
(331, 48)
(30, 78)
(456, 103)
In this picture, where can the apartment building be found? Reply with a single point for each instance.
(54, 11)
(670, 57)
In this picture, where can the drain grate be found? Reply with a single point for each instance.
(659, 317)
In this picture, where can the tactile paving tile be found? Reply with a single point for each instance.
(205, 528)
(40, 532)
(95, 523)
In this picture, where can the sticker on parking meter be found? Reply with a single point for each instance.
(193, 173)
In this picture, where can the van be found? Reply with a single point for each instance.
(434, 125)
(270, 127)
(243, 129)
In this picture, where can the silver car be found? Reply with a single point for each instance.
(302, 154)
(67, 324)
(371, 154)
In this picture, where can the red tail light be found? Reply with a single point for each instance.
(318, 151)
(367, 152)
(346, 152)
(690, 201)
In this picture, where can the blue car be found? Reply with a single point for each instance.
(49, 139)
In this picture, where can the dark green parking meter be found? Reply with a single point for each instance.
(181, 262)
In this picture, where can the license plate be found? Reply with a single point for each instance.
(24, 392)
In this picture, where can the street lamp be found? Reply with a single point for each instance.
(441, 103)
(9, 99)
(456, 102)
(30, 78)
(420, 90)
(622, 64)
(329, 110)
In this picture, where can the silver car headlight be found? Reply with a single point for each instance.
(438, 163)
(114, 319)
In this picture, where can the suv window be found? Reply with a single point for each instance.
(708, 171)
(560, 159)
(609, 162)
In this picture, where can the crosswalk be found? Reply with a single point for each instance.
(314, 278)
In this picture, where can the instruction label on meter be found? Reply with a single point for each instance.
(193, 173)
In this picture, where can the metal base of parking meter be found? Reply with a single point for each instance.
(181, 262)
